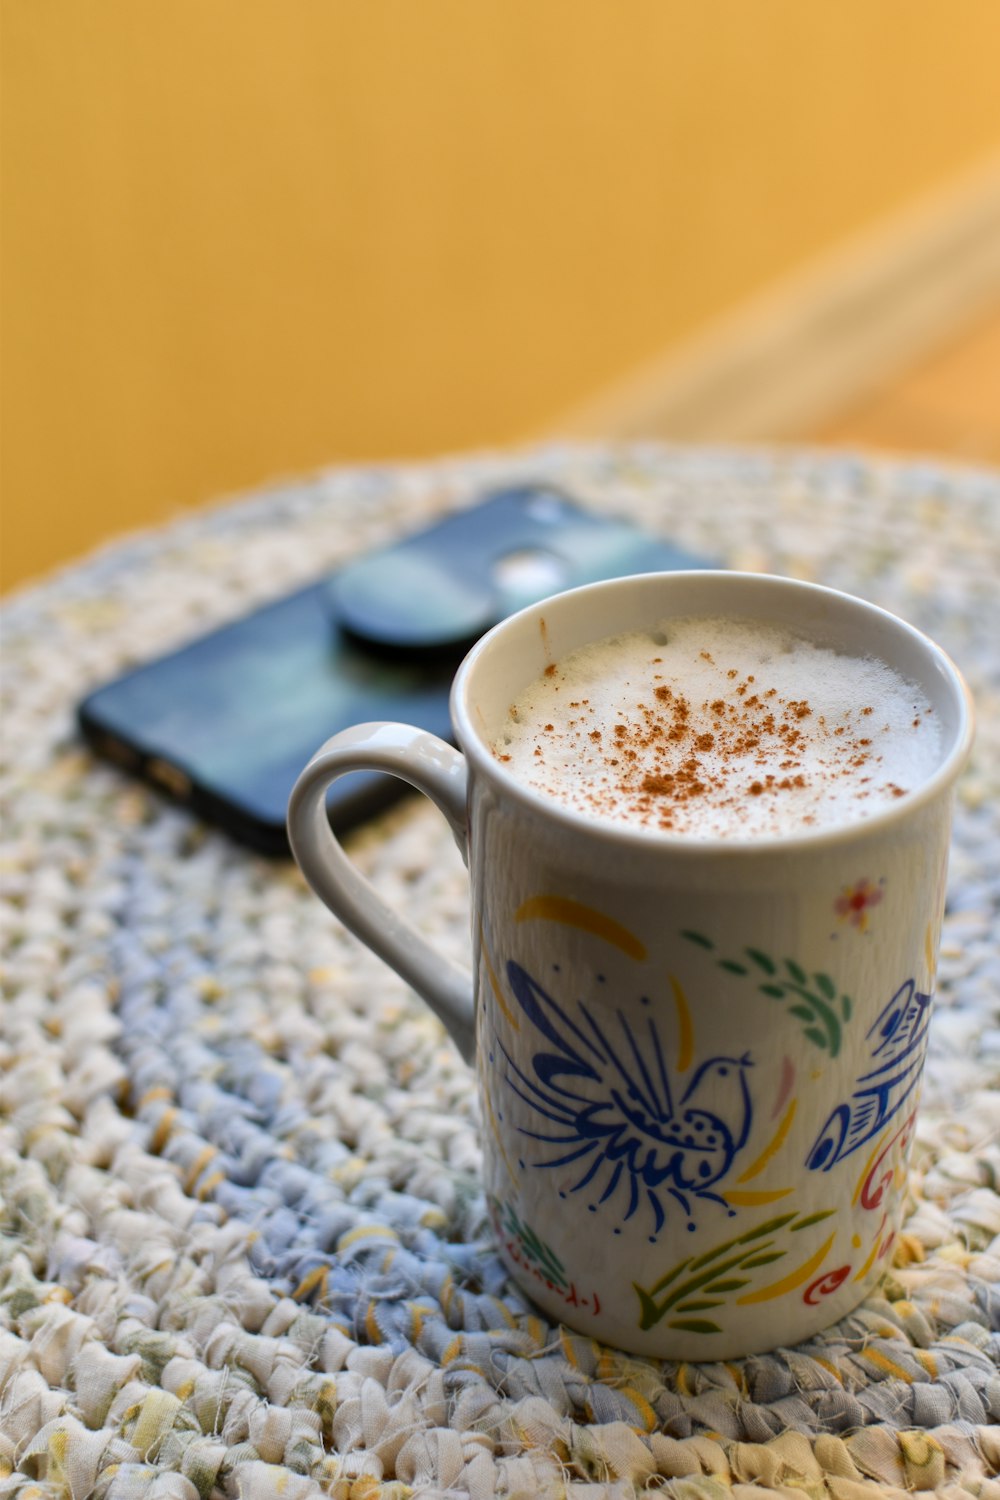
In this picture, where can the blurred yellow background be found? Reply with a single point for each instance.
(245, 238)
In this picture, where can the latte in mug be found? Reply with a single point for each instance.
(700, 1002)
(720, 728)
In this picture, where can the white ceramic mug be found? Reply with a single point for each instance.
(632, 987)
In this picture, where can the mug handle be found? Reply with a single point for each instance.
(438, 771)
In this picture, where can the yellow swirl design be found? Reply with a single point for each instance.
(586, 918)
(792, 1280)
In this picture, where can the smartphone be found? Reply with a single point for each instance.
(226, 723)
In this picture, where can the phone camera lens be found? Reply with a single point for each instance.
(529, 573)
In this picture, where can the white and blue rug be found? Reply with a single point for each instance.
(245, 1251)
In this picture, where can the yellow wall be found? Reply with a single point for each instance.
(243, 238)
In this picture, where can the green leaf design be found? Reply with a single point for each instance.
(824, 1021)
(771, 1227)
(699, 938)
(811, 1219)
(534, 1248)
(762, 960)
(551, 1264)
(702, 1284)
(665, 1281)
(815, 995)
(648, 1314)
(534, 1244)
(695, 1283)
(737, 1239)
(510, 1221)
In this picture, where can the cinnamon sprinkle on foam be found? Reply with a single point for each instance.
(675, 742)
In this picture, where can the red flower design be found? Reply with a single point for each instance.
(856, 901)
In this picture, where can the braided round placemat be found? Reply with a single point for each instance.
(245, 1250)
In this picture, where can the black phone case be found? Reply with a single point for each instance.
(226, 723)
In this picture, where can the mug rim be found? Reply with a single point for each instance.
(476, 750)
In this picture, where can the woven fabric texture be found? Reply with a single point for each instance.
(245, 1252)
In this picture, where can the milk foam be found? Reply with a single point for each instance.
(721, 728)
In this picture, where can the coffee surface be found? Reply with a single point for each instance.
(720, 728)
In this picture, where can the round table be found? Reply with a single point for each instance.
(246, 1249)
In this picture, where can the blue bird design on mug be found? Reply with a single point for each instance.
(897, 1044)
(607, 1093)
